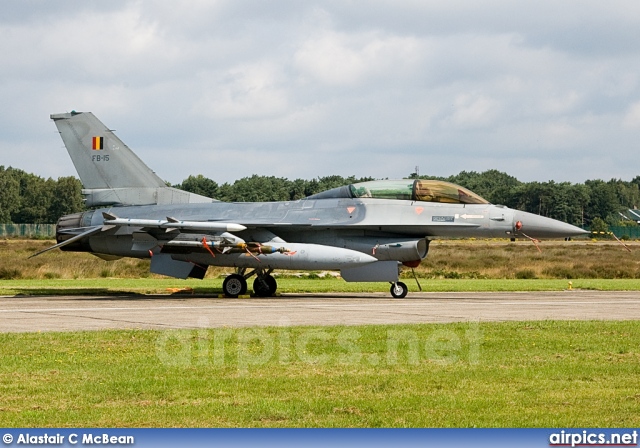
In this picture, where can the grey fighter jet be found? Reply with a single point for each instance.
(368, 231)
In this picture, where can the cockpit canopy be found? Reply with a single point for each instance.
(406, 189)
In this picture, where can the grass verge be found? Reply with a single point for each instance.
(115, 286)
(514, 374)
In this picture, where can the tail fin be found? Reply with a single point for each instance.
(110, 172)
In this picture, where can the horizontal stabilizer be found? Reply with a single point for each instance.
(89, 232)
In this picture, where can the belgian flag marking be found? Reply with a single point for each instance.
(98, 143)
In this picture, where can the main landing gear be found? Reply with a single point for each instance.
(264, 284)
(234, 285)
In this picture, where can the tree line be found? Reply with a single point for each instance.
(28, 198)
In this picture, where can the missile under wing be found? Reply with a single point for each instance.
(367, 231)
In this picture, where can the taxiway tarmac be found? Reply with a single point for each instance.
(74, 313)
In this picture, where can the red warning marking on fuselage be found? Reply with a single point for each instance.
(419, 210)
(350, 209)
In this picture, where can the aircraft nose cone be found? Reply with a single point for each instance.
(537, 226)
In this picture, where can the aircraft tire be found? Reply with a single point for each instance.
(234, 285)
(399, 290)
(265, 286)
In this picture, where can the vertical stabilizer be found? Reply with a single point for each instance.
(110, 172)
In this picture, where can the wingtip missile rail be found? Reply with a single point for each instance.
(171, 224)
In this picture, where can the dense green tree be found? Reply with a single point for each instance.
(258, 188)
(598, 225)
(269, 188)
(628, 193)
(579, 199)
(200, 185)
(225, 192)
(36, 195)
(297, 189)
(67, 198)
(603, 200)
(27, 198)
(566, 202)
(9, 194)
(530, 197)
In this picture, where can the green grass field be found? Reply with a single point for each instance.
(516, 374)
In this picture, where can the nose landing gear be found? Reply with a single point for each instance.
(399, 290)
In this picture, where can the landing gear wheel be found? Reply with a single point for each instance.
(234, 285)
(273, 285)
(265, 286)
(399, 290)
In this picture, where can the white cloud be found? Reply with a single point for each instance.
(632, 117)
(471, 110)
(248, 92)
(343, 59)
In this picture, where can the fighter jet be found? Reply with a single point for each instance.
(368, 231)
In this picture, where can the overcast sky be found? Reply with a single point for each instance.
(543, 90)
